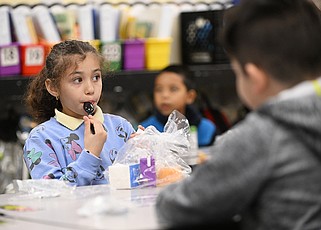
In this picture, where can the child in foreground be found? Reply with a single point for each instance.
(71, 143)
(265, 172)
(174, 89)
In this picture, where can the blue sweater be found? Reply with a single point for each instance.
(55, 150)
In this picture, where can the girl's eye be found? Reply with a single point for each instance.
(77, 80)
(96, 77)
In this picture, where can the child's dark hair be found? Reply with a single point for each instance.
(40, 103)
(280, 36)
(184, 72)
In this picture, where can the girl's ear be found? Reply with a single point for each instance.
(258, 77)
(191, 96)
(51, 88)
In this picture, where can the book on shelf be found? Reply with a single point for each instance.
(5, 32)
(23, 27)
(45, 25)
(108, 23)
(150, 18)
(66, 21)
(166, 20)
(86, 22)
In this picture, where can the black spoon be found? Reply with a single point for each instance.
(89, 108)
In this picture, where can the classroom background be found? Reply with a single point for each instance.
(137, 38)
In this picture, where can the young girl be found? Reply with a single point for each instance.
(174, 89)
(64, 146)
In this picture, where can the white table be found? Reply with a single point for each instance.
(61, 212)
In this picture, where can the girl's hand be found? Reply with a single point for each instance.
(94, 142)
(139, 130)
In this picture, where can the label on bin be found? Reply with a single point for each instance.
(9, 56)
(34, 56)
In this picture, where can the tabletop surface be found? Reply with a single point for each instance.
(88, 207)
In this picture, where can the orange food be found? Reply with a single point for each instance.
(168, 175)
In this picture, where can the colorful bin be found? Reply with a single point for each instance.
(47, 45)
(10, 59)
(112, 52)
(157, 53)
(95, 43)
(133, 54)
(32, 59)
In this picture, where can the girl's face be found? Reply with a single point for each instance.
(79, 85)
(171, 93)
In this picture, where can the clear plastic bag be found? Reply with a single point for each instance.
(41, 188)
(153, 158)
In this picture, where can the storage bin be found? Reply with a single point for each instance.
(47, 45)
(32, 59)
(112, 52)
(133, 54)
(10, 59)
(157, 53)
(95, 43)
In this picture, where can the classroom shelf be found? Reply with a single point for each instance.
(216, 81)
(13, 87)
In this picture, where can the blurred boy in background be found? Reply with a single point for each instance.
(174, 88)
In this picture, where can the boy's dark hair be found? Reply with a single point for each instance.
(184, 72)
(280, 36)
(40, 103)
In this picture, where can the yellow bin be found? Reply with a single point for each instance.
(95, 43)
(157, 53)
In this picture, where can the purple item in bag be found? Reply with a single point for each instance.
(148, 171)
